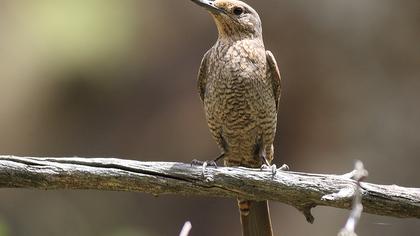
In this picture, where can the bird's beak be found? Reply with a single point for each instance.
(209, 5)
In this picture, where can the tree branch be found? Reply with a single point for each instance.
(301, 190)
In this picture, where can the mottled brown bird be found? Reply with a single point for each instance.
(239, 84)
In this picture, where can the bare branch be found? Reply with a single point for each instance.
(359, 173)
(301, 190)
(185, 231)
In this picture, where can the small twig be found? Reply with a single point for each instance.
(358, 174)
(186, 229)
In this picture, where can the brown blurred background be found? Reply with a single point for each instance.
(118, 79)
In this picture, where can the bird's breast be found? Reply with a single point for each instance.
(237, 90)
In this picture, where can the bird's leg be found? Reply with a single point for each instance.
(273, 167)
(266, 165)
(204, 164)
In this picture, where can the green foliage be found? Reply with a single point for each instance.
(4, 228)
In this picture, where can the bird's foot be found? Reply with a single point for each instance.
(274, 168)
(284, 167)
(204, 164)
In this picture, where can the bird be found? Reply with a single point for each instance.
(240, 87)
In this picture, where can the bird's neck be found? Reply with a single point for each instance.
(245, 42)
(232, 32)
(251, 49)
(238, 37)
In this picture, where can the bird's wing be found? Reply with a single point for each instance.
(273, 74)
(202, 76)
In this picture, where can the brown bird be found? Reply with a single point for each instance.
(239, 84)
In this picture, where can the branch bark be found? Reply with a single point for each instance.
(301, 190)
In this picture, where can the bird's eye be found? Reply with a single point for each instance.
(238, 11)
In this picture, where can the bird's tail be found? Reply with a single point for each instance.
(255, 218)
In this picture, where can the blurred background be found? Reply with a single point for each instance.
(118, 79)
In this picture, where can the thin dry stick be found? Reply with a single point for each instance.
(301, 190)
(359, 174)
(186, 229)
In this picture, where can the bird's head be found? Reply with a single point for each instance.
(235, 20)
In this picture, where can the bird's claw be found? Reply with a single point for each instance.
(274, 168)
(196, 162)
(204, 164)
(284, 167)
